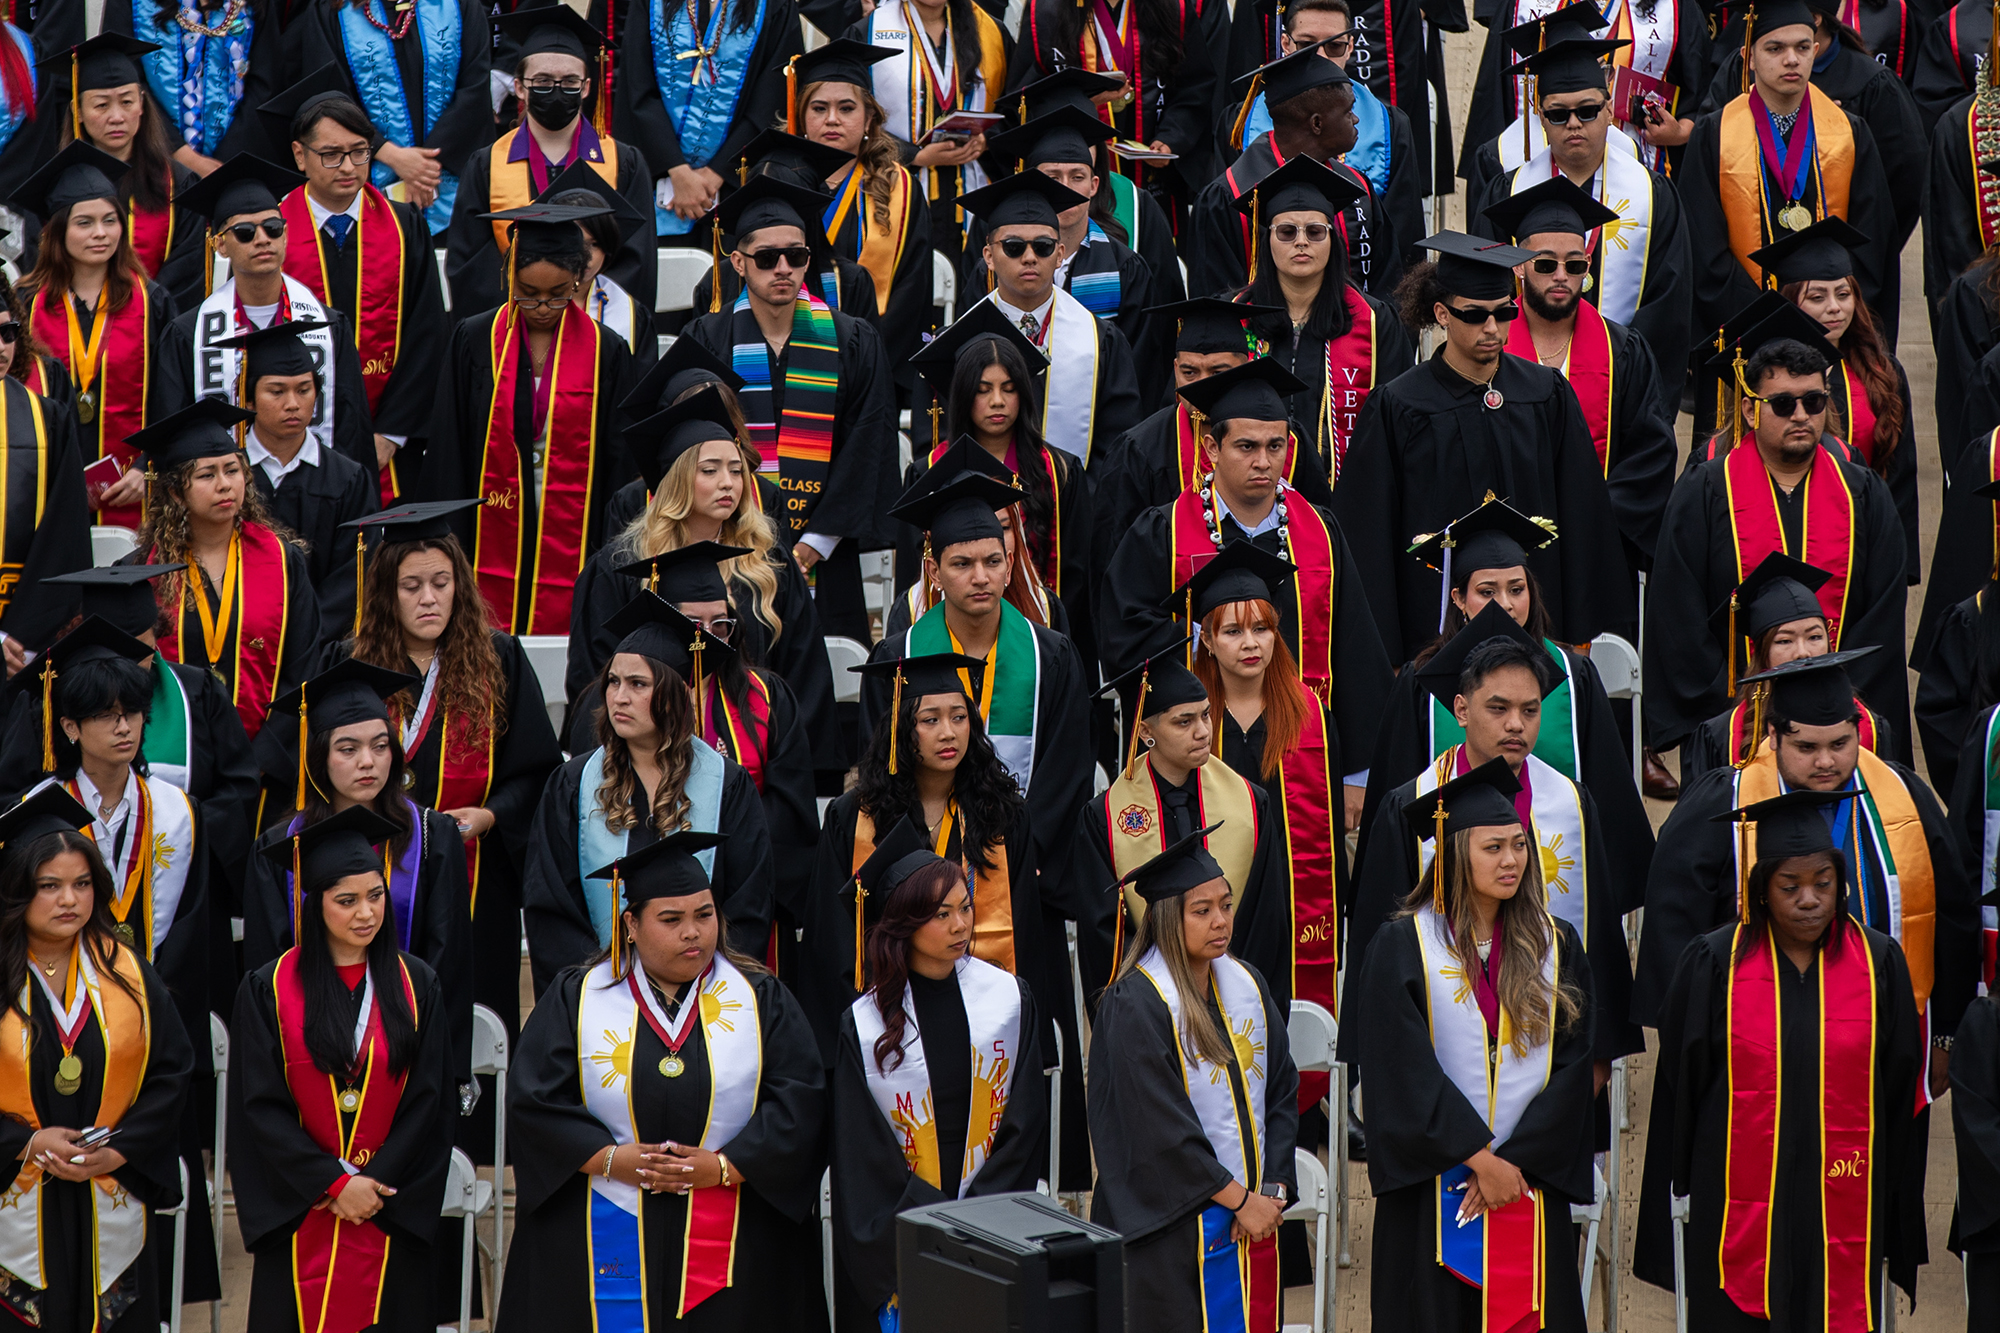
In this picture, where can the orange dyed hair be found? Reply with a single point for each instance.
(1284, 693)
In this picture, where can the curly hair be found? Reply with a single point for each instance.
(879, 158)
(988, 797)
(673, 715)
(1866, 357)
(1418, 293)
(165, 528)
(470, 681)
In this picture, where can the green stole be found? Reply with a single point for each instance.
(1556, 746)
(168, 745)
(1009, 696)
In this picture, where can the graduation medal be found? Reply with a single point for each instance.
(69, 1075)
(350, 1100)
(672, 1066)
(1795, 217)
(86, 406)
(673, 1034)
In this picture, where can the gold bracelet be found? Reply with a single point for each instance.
(609, 1153)
(724, 1163)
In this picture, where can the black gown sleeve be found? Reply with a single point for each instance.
(37, 611)
(781, 1152)
(1262, 935)
(1118, 408)
(1690, 892)
(553, 908)
(1645, 460)
(1947, 695)
(1956, 949)
(791, 812)
(447, 937)
(472, 261)
(1061, 780)
(1094, 904)
(525, 754)
(149, 1131)
(745, 889)
(545, 1111)
(1975, 1123)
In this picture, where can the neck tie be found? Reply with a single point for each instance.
(337, 226)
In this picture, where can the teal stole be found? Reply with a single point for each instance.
(371, 60)
(597, 846)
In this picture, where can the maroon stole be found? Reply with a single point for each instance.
(1311, 600)
(124, 372)
(338, 1267)
(152, 231)
(1589, 372)
(256, 624)
(1829, 524)
(741, 733)
(1311, 814)
(1353, 357)
(549, 559)
(463, 779)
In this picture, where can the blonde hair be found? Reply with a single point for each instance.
(662, 527)
(1161, 929)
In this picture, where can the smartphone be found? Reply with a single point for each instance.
(95, 1137)
(101, 476)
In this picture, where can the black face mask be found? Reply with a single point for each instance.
(554, 109)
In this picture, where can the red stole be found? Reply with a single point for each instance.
(1350, 376)
(257, 628)
(1588, 369)
(740, 732)
(464, 778)
(1856, 411)
(1847, 1120)
(550, 558)
(1310, 600)
(152, 232)
(124, 372)
(1829, 523)
(1311, 814)
(338, 1267)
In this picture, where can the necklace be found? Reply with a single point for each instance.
(1212, 520)
(406, 11)
(230, 13)
(48, 969)
(1558, 358)
(1493, 399)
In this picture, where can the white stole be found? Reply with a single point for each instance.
(899, 84)
(172, 850)
(1623, 185)
(1069, 398)
(611, 305)
(1513, 155)
(1207, 1085)
(1501, 1090)
(1556, 805)
(215, 368)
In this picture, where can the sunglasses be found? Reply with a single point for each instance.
(1563, 116)
(1287, 232)
(246, 232)
(9, 332)
(798, 256)
(1785, 404)
(1477, 314)
(1016, 246)
(1576, 268)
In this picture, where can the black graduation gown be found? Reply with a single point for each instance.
(472, 262)
(871, 1181)
(1156, 1171)
(1426, 450)
(1965, 327)
(455, 460)
(1692, 891)
(45, 525)
(1688, 1138)
(1975, 1123)
(314, 502)
(1950, 693)
(1944, 68)
(780, 1154)
(1707, 748)
(1951, 203)
(1137, 293)
(282, 1171)
(852, 292)
(1694, 569)
(1219, 264)
(557, 915)
(1061, 778)
(148, 1136)
(313, 38)
(1304, 355)
(1388, 868)
(1722, 287)
(1964, 554)
(1142, 471)
(861, 475)
(1660, 324)
(1420, 1126)
(1900, 470)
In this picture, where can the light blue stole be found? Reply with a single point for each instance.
(198, 79)
(700, 95)
(597, 846)
(371, 60)
(1096, 292)
(1370, 154)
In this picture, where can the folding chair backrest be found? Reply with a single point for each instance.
(1314, 1035)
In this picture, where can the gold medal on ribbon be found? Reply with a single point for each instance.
(69, 1075)
(672, 1066)
(350, 1100)
(123, 930)
(86, 406)
(1795, 217)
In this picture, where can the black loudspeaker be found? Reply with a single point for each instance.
(1007, 1263)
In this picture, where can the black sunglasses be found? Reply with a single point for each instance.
(1563, 116)
(1576, 268)
(246, 232)
(9, 332)
(1785, 404)
(798, 256)
(1016, 246)
(1480, 314)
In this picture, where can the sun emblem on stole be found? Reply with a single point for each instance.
(1249, 1054)
(163, 852)
(916, 1130)
(614, 1058)
(1614, 229)
(715, 1007)
(1554, 863)
(1460, 979)
(989, 1097)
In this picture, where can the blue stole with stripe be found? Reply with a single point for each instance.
(1222, 1292)
(198, 79)
(700, 95)
(371, 60)
(597, 846)
(1098, 292)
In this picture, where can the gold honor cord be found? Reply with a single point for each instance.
(1438, 816)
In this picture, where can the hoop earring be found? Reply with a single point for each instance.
(1147, 741)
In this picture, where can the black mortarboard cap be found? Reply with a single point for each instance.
(1291, 76)
(1786, 321)
(347, 692)
(1778, 591)
(929, 673)
(536, 231)
(1573, 65)
(322, 85)
(663, 869)
(1820, 253)
(1770, 15)
(1254, 391)
(1494, 536)
(1473, 267)
(1302, 185)
(1440, 674)
(245, 183)
(810, 161)
(204, 429)
(94, 640)
(772, 201)
(1793, 824)
(1753, 313)
(42, 809)
(1813, 691)
(684, 364)
(662, 438)
(1067, 134)
(331, 850)
(276, 350)
(122, 594)
(1071, 87)
(1241, 571)
(962, 455)
(1212, 324)
(651, 626)
(553, 29)
(899, 853)
(842, 60)
(937, 360)
(1483, 798)
(1167, 680)
(108, 60)
(430, 520)
(1556, 205)
(79, 172)
(580, 175)
(688, 573)
(1575, 22)
(1180, 868)
(960, 510)
(1026, 198)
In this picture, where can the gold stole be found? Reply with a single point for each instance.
(1741, 170)
(1138, 833)
(882, 247)
(127, 1029)
(992, 894)
(512, 185)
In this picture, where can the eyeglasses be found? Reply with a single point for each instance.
(1563, 116)
(1016, 246)
(722, 627)
(246, 232)
(335, 158)
(1338, 46)
(9, 332)
(572, 84)
(1785, 404)
(1287, 232)
(1479, 314)
(1576, 268)
(544, 303)
(798, 256)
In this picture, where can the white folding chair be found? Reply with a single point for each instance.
(842, 654)
(1591, 1217)
(680, 270)
(489, 1056)
(466, 1196)
(548, 654)
(179, 1212)
(944, 286)
(826, 1238)
(109, 545)
(1313, 1206)
(1617, 662)
(1075, 973)
(218, 1045)
(1055, 1113)
(1315, 1036)
(1679, 1210)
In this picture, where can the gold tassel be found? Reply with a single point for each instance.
(1743, 389)
(298, 890)
(1138, 712)
(859, 894)
(653, 579)
(1742, 866)
(792, 102)
(617, 924)
(360, 564)
(1117, 926)
(1760, 694)
(1243, 112)
(75, 100)
(1734, 601)
(600, 111)
(48, 716)
(1749, 26)
(208, 269)
(299, 799)
(1438, 816)
(1256, 237)
(1993, 50)
(700, 682)
(895, 720)
(715, 257)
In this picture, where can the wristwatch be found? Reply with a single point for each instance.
(1274, 1190)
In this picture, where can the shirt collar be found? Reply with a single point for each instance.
(93, 798)
(320, 213)
(1014, 312)
(585, 146)
(307, 456)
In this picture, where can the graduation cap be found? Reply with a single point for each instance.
(553, 29)
(324, 84)
(1812, 691)
(320, 855)
(1180, 868)
(937, 360)
(809, 160)
(204, 429)
(1494, 536)
(651, 626)
(245, 183)
(1441, 674)
(1483, 798)
(668, 868)
(1573, 65)
(80, 172)
(1755, 312)
(347, 692)
(1160, 681)
(1066, 134)
(1778, 591)
(1241, 571)
(1302, 185)
(687, 573)
(276, 350)
(1071, 87)
(1292, 76)
(1556, 205)
(960, 510)
(1024, 199)
(927, 673)
(1785, 321)
(901, 851)
(108, 60)
(580, 175)
(541, 231)
(685, 364)
(1211, 324)
(964, 455)
(1579, 21)
(1475, 268)
(1791, 824)
(94, 640)
(659, 441)
(122, 594)
(1768, 16)
(1254, 391)
(44, 808)
(429, 521)
(771, 201)
(1822, 252)
(842, 60)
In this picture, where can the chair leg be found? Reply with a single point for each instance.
(1338, 1172)
(1680, 1212)
(1887, 1322)
(465, 1273)
(499, 1183)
